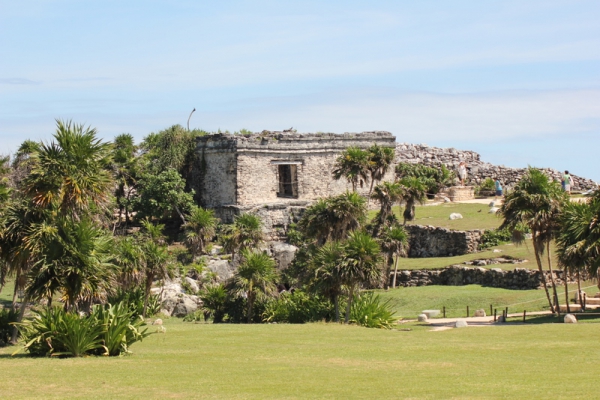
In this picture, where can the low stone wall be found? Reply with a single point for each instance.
(458, 275)
(431, 241)
(478, 170)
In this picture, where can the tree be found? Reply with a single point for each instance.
(213, 299)
(125, 169)
(387, 194)
(245, 232)
(200, 226)
(317, 221)
(255, 278)
(434, 178)
(361, 265)
(394, 242)
(413, 191)
(380, 160)
(353, 165)
(349, 211)
(156, 257)
(162, 196)
(328, 278)
(535, 204)
(70, 173)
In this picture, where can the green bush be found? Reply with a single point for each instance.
(297, 308)
(368, 310)
(494, 237)
(7, 317)
(134, 297)
(107, 330)
(487, 185)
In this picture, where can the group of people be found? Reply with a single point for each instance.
(566, 180)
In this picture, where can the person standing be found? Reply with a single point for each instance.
(498, 188)
(567, 181)
(462, 172)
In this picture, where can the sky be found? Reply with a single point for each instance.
(516, 81)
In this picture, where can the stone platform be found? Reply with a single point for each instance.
(460, 193)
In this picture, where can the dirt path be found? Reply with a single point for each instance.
(440, 324)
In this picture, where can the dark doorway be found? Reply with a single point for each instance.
(288, 180)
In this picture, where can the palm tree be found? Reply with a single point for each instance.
(394, 242)
(255, 278)
(414, 190)
(155, 267)
(129, 259)
(326, 263)
(380, 160)
(535, 203)
(125, 171)
(387, 194)
(70, 173)
(246, 232)
(317, 222)
(349, 212)
(352, 164)
(200, 226)
(361, 265)
(213, 299)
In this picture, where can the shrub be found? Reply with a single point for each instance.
(108, 330)
(7, 317)
(134, 297)
(214, 298)
(494, 237)
(296, 308)
(487, 185)
(368, 310)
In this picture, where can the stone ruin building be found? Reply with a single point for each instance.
(274, 174)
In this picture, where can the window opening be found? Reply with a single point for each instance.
(288, 180)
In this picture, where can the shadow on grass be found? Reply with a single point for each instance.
(553, 319)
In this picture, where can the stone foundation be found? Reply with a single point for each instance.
(460, 193)
(431, 241)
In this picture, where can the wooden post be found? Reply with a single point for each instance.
(444, 311)
(506, 314)
(495, 314)
(491, 311)
(524, 314)
(467, 311)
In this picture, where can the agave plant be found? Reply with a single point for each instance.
(368, 310)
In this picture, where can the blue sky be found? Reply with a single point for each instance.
(517, 81)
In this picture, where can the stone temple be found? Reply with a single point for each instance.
(275, 174)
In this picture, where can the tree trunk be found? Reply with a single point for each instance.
(395, 272)
(557, 308)
(149, 280)
(180, 214)
(370, 191)
(336, 305)
(542, 275)
(567, 293)
(350, 296)
(579, 294)
(250, 302)
(15, 332)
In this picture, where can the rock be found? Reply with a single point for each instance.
(186, 305)
(461, 323)
(193, 284)
(157, 321)
(497, 251)
(479, 313)
(422, 318)
(455, 216)
(222, 268)
(283, 253)
(216, 250)
(493, 210)
(431, 313)
(446, 199)
(570, 319)
(492, 204)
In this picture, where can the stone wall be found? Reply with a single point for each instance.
(215, 175)
(457, 275)
(430, 241)
(478, 170)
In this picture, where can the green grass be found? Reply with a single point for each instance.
(409, 302)
(439, 215)
(6, 294)
(324, 361)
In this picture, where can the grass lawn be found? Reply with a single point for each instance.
(324, 361)
(409, 302)
(439, 215)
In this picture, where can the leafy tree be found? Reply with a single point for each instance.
(434, 178)
(380, 160)
(255, 278)
(394, 242)
(128, 256)
(353, 165)
(361, 264)
(535, 204)
(162, 196)
(156, 258)
(413, 191)
(70, 173)
(387, 194)
(200, 226)
(245, 232)
(326, 264)
(126, 171)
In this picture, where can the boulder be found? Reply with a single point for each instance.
(479, 313)
(455, 216)
(283, 253)
(193, 284)
(185, 305)
(570, 319)
(222, 268)
(422, 318)
(461, 323)
(431, 313)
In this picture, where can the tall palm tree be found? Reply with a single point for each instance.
(349, 211)
(535, 203)
(255, 278)
(326, 263)
(245, 232)
(353, 165)
(414, 190)
(387, 194)
(394, 242)
(380, 161)
(128, 256)
(125, 171)
(70, 173)
(317, 221)
(155, 267)
(200, 226)
(361, 265)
